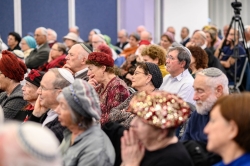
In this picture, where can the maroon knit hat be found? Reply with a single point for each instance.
(101, 58)
(12, 67)
(104, 48)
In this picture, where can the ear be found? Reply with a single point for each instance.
(183, 63)
(219, 91)
(103, 68)
(58, 92)
(149, 77)
(233, 129)
(156, 60)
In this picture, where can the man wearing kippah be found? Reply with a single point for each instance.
(209, 85)
(76, 60)
(51, 85)
(179, 80)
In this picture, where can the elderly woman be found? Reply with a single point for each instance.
(84, 142)
(111, 89)
(156, 55)
(167, 39)
(147, 77)
(70, 39)
(32, 83)
(199, 59)
(27, 44)
(56, 59)
(12, 71)
(151, 138)
(228, 130)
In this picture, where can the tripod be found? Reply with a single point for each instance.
(236, 23)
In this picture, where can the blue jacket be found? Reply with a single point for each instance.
(195, 127)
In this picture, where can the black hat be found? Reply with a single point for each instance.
(35, 77)
(155, 71)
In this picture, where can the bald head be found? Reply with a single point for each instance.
(145, 35)
(122, 36)
(171, 29)
(140, 29)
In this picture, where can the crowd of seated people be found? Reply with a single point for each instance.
(135, 103)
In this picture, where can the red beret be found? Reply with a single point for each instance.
(12, 67)
(101, 58)
(104, 48)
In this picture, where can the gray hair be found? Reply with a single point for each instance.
(215, 77)
(78, 119)
(183, 55)
(43, 31)
(202, 35)
(1, 45)
(53, 33)
(60, 81)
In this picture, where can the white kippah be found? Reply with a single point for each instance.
(38, 141)
(66, 74)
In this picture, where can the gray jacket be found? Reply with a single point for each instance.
(13, 103)
(91, 148)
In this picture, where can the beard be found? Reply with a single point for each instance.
(205, 107)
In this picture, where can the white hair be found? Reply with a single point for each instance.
(202, 35)
(54, 34)
(11, 144)
(213, 82)
(43, 31)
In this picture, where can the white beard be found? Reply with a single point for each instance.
(205, 107)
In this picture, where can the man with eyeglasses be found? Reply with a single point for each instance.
(51, 86)
(179, 80)
(40, 55)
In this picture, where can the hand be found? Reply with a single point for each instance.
(190, 44)
(38, 109)
(131, 150)
(92, 81)
(66, 66)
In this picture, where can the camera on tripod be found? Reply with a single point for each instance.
(236, 6)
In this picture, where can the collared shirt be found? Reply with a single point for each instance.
(51, 115)
(182, 85)
(38, 47)
(80, 72)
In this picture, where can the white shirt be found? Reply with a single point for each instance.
(51, 115)
(182, 85)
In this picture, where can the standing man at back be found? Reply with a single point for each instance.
(40, 55)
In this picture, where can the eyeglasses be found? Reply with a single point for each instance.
(138, 72)
(46, 89)
(170, 57)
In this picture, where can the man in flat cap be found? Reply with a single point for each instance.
(209, 85)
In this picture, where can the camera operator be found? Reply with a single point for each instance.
(228, 56)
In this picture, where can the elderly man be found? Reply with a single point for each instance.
(97, 40)
(184, 36)
(123, 39)
(145, 35)
(76, 60)
(199, 39)
(209, 85)
(13, 41)
(40, 55)
(51, 85)
(29, 143)
(52, 37)
(179, 80)
(140, 28)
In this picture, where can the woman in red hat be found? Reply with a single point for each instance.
(12, 71)
(111, 89)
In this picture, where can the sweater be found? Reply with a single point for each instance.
(195, 127)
